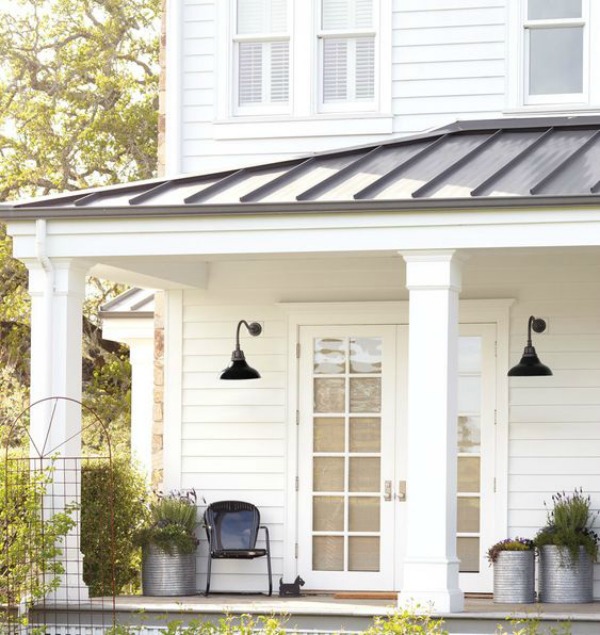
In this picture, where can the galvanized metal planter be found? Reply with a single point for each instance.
(168, 575)
(514, 577)
(564, 579)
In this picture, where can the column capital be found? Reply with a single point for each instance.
(434, 269)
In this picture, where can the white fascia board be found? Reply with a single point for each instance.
(128, 330)
(309, 233)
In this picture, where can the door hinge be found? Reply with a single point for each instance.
(297, 483)
(495, 417)
(297, 417)
(297, 350)
(494, 484)
(296, 551)
(495, 348)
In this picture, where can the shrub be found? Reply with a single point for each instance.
(129, 511)
(508, 544)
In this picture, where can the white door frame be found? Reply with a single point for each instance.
(396, 313)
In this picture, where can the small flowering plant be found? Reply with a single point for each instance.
(509, 544)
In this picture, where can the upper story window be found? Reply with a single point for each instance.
(261, 57)
(556, 51)
(347, 55)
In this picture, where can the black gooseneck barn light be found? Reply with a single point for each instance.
(239, 369)
(530, 365)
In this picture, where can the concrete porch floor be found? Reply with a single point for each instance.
(312, 613)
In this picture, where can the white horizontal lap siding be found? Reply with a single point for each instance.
(233, 443)
(554, 432)
(448, 62)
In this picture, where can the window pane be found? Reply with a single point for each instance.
(365, 68)
(335, 69)
(328, 434)
(329, 356)
(261, 16)
(365, 355)
(328, 553)
(280, 63)
(469, 474)
(250, 69)
(364, 513)
(469, 434)
(365, 394)
(329, 395)
(468, 553)
(363, 553)
(469, 394)
(346, 14)
(469, 354)
(468, 515)
(551, 9)
(364, 474)
(365, 434)
(328, 513)
(555, 61)
(328, 474)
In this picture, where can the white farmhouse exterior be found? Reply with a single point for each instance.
(384, 443)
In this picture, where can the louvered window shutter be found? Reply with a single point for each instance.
(262, 42)
(347, 50)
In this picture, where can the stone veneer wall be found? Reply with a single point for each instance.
(159, 325)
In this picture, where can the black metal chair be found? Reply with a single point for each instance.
(232, 530)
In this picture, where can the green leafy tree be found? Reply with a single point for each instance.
(78, 109)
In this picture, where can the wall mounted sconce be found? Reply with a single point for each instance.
(530, 365)
(239, 369)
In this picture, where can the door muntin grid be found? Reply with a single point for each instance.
(347, 453)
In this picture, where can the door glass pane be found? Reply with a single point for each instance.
(365, 434)
(469, 354)
(469, 394)
(328, 553)
(365, 394)
(469, 474)
(552, 9)
(468, 553)
(328, 434)
(329, 356)
(329, 395)
(363, 553)
(363, 513)
(469, 434)
(365, 355)
(364, 474)
(328, 474)
(556, 61)
(468, 515)
(328, 513)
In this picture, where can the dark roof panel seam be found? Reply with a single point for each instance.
(215, 188)
(278, 181)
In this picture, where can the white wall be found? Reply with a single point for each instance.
(447, 62)
(234, 438)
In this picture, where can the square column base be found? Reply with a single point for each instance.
(431, 585)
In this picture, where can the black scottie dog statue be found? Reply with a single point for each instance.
(292, 589)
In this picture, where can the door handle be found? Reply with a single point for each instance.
(387, 491)
(401, 491)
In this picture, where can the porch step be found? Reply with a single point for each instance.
(365, 595)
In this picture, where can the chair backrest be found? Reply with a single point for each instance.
(234, 524)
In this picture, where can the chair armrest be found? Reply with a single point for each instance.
(267, 540)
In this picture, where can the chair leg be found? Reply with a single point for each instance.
(270, 574)
(208, 575)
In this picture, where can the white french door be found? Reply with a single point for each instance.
(352, 455)
(348, 435)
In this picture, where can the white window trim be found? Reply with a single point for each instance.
(518, 100)
(302, 114)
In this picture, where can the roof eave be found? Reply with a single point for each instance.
(8, 214)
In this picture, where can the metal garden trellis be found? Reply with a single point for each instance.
(42, 570)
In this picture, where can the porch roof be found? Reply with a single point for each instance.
(524, 162)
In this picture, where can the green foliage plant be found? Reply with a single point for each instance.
(113, 510)
(509, 544)
(569, 525)
(408, 621)
(172, 523)
(30, 543)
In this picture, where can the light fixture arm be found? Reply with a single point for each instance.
(254, 328)
(537, 324)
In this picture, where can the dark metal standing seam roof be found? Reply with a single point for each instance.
(494, 163)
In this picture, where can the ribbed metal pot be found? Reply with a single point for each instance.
(564, 579)
(514, 577)
(164, 574)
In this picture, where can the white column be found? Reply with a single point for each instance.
(431, 566)
(57, 290)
